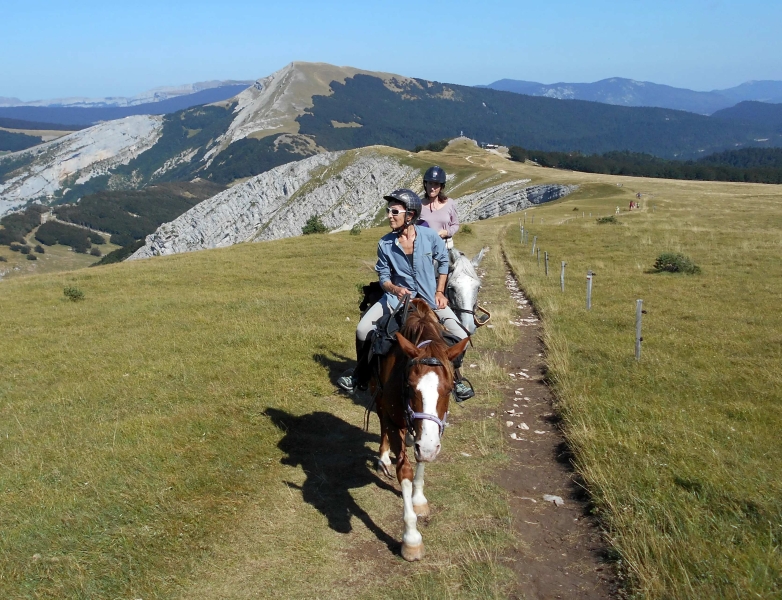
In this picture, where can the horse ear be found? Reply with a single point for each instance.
(408, 347)
(479, 257)
(457, 349)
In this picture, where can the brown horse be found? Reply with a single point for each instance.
(413, 386)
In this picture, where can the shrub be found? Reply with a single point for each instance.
(356, 229)
(15, 247)
(3, 259)
(313, 225)
(73, 293)
(39, 249)
(465, 229)
(610, 219)
(95, 252)
(438, 146)
(674, 262)
(24, 249)
(575, 208)
(32, 257)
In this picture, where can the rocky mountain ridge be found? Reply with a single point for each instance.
(344, 189)
(76, 158)
(157, 94)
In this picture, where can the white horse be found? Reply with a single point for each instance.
(462, 289)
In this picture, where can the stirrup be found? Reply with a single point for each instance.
(464, 394)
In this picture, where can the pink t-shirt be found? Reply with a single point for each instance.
(442, 218)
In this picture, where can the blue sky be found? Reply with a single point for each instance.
(88, 48)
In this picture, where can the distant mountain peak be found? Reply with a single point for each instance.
(630, 92)
(157, 94)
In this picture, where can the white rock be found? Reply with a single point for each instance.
(557, 500)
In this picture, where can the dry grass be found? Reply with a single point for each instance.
(177, 433)
(695, 511)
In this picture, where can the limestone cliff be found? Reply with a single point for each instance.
(343, 188)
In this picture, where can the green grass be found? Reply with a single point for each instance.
(679, 450)
(145, 445)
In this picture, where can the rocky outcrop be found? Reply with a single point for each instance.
(77, 158)
(342, 188)
(507, 198)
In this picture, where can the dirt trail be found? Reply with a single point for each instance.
(562, 552)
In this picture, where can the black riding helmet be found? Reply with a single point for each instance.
(435, 174)
(406, 197)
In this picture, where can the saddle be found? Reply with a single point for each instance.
(383, 338)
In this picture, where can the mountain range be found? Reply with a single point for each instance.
(157, 94)
(313, 108)
(81, 112)
(628, 92)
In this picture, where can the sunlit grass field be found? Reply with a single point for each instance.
(680, 450)
(176, 433)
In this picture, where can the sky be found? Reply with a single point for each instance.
(53, 49)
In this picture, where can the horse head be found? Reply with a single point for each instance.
(429, 379)
(463, 287)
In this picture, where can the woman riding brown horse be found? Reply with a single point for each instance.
(413, 385)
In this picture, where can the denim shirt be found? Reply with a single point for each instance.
(393, 265)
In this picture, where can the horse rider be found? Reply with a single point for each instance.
(405, 267)
(439, 210)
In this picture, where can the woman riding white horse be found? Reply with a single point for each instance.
(405, 267)
(439, 210)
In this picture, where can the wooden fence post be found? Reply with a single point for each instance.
(534, 243)
(546, 261)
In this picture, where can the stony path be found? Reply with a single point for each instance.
(561, 552)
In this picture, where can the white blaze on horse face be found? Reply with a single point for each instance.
(428, 445)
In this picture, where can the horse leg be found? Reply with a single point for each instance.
(420, 503)
(384, 462)
(412, 542)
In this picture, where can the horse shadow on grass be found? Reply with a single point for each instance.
(334, 457)
(336, 365)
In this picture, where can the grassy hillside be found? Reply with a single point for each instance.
(679, 450)
(144, 449)
(177, 434)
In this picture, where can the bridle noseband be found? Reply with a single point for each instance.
(410, 414)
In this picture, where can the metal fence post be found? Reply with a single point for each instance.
(638, 339)
(562, 276)
(589, 290)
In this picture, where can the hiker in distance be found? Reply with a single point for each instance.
(405, 266)
(439, 210)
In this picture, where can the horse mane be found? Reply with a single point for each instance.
(422, 324)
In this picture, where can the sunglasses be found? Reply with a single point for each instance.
(394, 211)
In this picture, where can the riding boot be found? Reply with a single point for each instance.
(462, 389)
(362, 373)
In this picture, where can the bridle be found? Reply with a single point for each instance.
(410, 414)
(475, 308)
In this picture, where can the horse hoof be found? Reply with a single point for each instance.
(421, 510)
(382, 469)
(412, 553)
